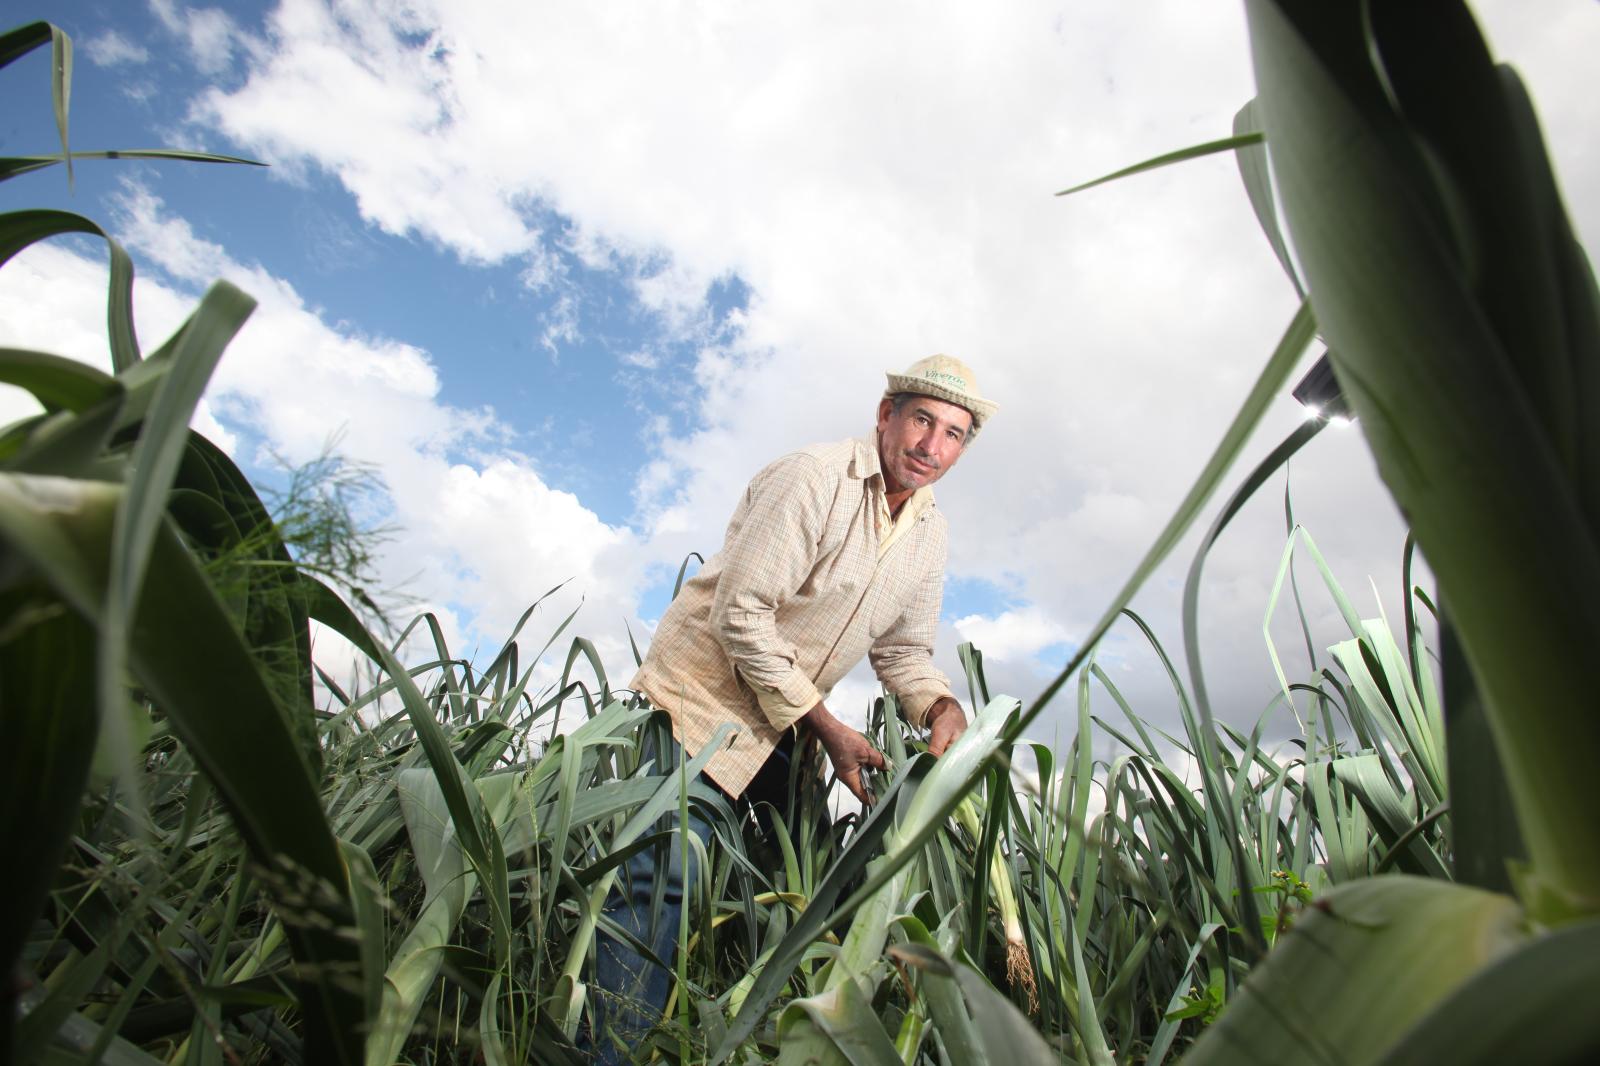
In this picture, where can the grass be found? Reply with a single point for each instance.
(225, 866)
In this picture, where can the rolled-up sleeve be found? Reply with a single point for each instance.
(902, 656)
(771, 548)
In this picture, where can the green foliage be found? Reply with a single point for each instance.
(415, 870)
(328, 514)
(1462, 318)
(1290, 895)
(1202, 1003)
(1446, 278)
(1464, 325)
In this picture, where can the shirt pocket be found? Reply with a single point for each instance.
(844, 567)
(894, 591)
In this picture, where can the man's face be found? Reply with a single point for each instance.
(920, 443)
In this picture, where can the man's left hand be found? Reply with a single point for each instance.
(946, 721)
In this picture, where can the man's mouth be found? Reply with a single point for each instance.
(923, 463)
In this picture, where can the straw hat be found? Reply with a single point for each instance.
(945, 378)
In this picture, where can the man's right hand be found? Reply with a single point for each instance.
(848, 750)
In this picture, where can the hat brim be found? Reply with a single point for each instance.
(982, 410)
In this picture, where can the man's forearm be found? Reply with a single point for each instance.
(822, 722)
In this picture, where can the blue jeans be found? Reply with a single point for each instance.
(630, 990)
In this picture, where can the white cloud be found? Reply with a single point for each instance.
(344, 90)
(510, 538)
(484, 535)
(111, 49)
(673, 292)
(560, 325)
(1013, 635)
(543, 269)
(210, 33)
(879, 176)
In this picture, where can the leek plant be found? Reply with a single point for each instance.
(1463, 323)
(1129, 909)
(231, 864)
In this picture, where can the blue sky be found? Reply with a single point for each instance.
(545, 360)
(569, 274)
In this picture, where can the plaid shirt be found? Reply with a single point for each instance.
(798, 594)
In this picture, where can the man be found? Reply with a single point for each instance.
(835, 552)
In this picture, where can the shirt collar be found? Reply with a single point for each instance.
(919, 501)
(866, 467)
(864, 464)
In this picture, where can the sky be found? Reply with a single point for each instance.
(566, 275)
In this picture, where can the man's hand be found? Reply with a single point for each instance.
(946, 721)
(849, 751)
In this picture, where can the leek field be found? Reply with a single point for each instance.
(223, 854)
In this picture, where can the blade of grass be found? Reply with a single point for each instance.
(1227, 144)
(1256, 175)
(1449, 393)
(18, 229)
